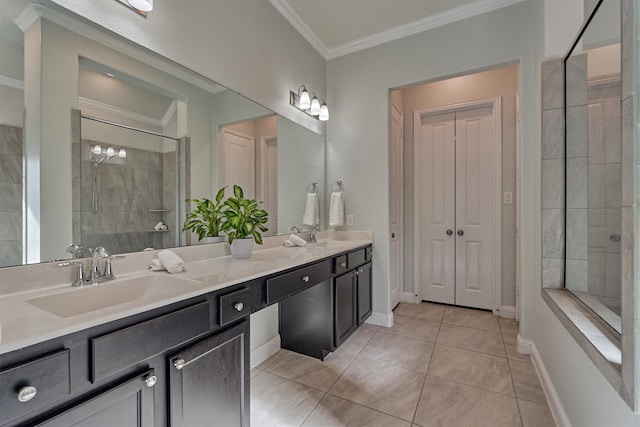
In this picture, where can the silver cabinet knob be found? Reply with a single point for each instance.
(179, 363)
(27, 393)
(238, 306)
(343, 264)
(151, 380)
(361, 270)
(305, 278)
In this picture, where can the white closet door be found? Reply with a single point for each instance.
(395, 205)
(475, 145)
(239, 165)
(437, 207)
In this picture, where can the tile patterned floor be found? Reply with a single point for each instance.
(437, 366)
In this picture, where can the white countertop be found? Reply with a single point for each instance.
(23, 324)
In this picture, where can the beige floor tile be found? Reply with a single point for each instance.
(358, 339)
(512, 352)
(254, 372)
(471, 318)
(411, 327)
(509, 328)
(396, 350)
(535, 414)
(445, 403)
(334, 411)
(389, 389)
(269, 361)
(472, 368)
(308, 370)
(276, 401)
(423, 310)
(472, 339)
(526, 382)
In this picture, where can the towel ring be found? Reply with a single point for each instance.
(338, 183)
(312, 188)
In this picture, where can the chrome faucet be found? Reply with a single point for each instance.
(311, 236)
(295, 229)
(96, 255)
(75, 250)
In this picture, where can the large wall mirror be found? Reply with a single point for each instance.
(98, 145)
(597, 164)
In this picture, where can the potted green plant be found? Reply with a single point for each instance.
(244, 221)
(207, 218)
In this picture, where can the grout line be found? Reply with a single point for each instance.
(313, 409)
(475, 386)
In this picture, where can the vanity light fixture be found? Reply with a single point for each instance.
(122, 153)
(143, 5)
(309, 104)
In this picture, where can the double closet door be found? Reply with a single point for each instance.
(456, 205)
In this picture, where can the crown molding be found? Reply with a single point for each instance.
(11, 82)
(93, 32)
(294, 19)
(477, 7)
(171, 110)
(120, 112)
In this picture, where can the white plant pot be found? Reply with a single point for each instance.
(242, 248)
(214, 239)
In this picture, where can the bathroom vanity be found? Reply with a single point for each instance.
(183, 360)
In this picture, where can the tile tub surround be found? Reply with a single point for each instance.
(11, 147)
(23, 324)
(380, 377)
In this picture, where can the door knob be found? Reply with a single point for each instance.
(449, 232)
(460, 232)
(393, 235)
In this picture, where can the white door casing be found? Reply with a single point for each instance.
(237, 165)
(458, 188)
(395, 203)
(269, 193)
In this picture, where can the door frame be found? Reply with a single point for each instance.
(264, 142)
(496, 105)
(394, 106)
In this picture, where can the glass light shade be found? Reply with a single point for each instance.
(97, 149)
(111, 152)
(324, 112)
(143, 5)
(122, 153)
(315, 107)
(305, 100)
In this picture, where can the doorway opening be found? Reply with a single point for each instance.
(456, 189)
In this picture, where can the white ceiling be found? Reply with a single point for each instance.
(338, 27)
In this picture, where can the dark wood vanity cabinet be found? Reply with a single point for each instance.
(352, 302)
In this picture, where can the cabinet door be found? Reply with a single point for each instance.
(129, 404)
(209, 381)
(364, 293)
(345, 306)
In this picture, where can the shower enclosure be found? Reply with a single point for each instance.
(126, 187)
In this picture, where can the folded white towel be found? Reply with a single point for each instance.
(336, 210)
(156, 265)
(312, 210)
(171, 261)
(298, 241)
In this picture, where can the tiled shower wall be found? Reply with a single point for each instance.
(131, 192)
(11, 146)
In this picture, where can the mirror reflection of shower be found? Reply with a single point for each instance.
(97, 157)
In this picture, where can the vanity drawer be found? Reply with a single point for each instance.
(340, 264)
(118, 350)
(356, 258)
(49, 378)
(282, 286)
(234, 305)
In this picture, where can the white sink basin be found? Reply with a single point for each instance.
(76, 301)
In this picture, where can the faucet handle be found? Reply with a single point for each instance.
(108, 271)
(80, 278)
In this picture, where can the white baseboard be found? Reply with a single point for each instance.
(381, 319)
(265, 351)
(409, 297)
(555, 405)
(524, 345)
(507, 311)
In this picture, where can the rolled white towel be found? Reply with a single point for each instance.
(288, 243)
(171, 261)
(312, 210)
(298, 241)
(156, 265)
(336, 210)
(158, 226)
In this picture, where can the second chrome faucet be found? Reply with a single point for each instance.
(95, 275)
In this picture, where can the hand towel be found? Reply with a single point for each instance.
(336, 210)
(298, 241)
(312, 210)
(171, 261)
(156, 265)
